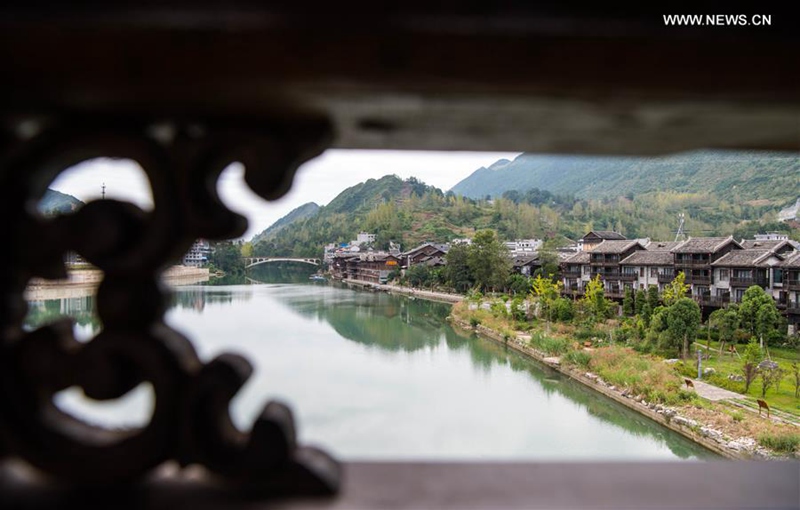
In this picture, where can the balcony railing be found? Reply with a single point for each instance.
(665, 277)
(793, 307)
(718, 301)
(693, 263)
(628, 276)
(791, 284)
(706, 280)
(745, 281)
(610, 275)
(571, 273)
(605, 262)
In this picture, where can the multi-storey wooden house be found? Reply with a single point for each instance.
(424, 253)
(595, 237)
(787, 275)
(575, 272)
(605, 259)
(651, 266)
(694, 257)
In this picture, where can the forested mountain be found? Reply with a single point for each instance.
(304, 211)
(54, 202)
(768, 178)
(411, 212)
(383, 206)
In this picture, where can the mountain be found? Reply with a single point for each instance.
(385, 206)
(747, 176)
(297, 214)
(739, 202)
(54, 202)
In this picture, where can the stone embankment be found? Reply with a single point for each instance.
(407, 291)
(714, 440)
(84, 282)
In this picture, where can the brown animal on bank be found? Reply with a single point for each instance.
(764, 405)
(689, 383)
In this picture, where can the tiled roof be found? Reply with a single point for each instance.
(525, 259)
(607, 234)
(649, 258)
(703, 244)
(793, 261)
(615, 246)
(582, 257)
(749, 244)
(744, 258)
(441, 247)
(662, 245)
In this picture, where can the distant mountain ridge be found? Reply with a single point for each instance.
(306, 210)
(54, 202)
(749, 175)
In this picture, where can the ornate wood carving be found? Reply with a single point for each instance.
(190, 422)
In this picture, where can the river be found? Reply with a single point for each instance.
(375, 376)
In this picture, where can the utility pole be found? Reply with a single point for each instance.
(680, 233)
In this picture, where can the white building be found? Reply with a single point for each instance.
(198, 254)
(772, 236)
(523, 246)
(363, 238)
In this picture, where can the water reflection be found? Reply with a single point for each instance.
(394, 323)
(376, 376)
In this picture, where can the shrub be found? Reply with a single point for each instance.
(787, 442)
(518, 309)
(563, 310)
(577, 358)
(737, 416)
(583, 334)
(474, 322)
(550, 345)
(499, 309)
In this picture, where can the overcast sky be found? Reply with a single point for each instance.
(319, 180)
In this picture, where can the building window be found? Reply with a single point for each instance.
(653, 272)
(641, 272)
(777, 275)
(723, 275)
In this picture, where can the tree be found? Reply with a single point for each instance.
(726, 322)
(796, 378)
(752, 356)
(675, 290)
(227, 256)
(640, 299)
(758, 313)
(627, 302)
(549, 261)
(488, 260)
(518, 284)
(652, 297)
(770, 376)
(768, 321)
(457, 273)
(545, 292)
(594, 299)
(682, 320)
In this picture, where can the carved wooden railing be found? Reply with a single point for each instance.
(190, 423)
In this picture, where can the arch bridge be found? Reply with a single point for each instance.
(254, 261)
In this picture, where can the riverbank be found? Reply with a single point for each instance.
(725, 433)
(84, 282)
(731, 434)
(406, 291)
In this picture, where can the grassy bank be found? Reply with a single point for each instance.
(599, 349)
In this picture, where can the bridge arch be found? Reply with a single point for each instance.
(255, 261)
